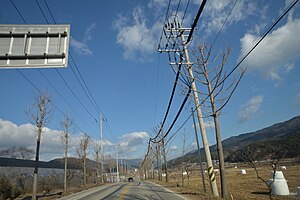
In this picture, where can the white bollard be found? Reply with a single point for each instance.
(279, 184)
(243, 171)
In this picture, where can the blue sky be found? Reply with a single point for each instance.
(114, 46)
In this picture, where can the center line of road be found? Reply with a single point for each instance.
(124, 191)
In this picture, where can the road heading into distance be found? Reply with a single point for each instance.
(126, 191)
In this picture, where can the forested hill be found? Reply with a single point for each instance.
(280, 138)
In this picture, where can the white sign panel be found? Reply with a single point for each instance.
(34, 46)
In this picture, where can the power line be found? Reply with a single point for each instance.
(28, 80)
(217, 36)
(188, 3)
(268, 31)
(170, 102)
(38, 90)
(61, 96)
(177, 115)
(18, 11)
(90, 96)
(196, 20)
(62, 78)
(42, 11)
(166, 17)
(75, 64)
(259, 41)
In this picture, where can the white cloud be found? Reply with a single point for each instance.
(216, 11)
(136, 36)
(173, 148)
(250, 108)
(132, 143)
(207, 124)
(276, 52)
(88, 34)
(25, 135)
(80, 47)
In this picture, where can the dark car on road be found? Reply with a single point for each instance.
(130, 179)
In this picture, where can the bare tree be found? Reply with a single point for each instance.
(82, 153)
(111, 163)
(252, 154)
(39, 113)
(65, 138)
(218, 95)
(97, 151)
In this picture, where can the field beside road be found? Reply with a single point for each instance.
(241, 186)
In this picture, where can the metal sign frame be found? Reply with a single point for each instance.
(34, 46)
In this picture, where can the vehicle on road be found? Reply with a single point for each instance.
(130, 179)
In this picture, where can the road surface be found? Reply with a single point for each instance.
(126, 191)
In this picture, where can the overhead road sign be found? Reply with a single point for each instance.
(34, 46)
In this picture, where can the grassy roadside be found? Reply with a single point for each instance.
(241, 186)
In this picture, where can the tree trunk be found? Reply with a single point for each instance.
(66, 164)
(84, 169)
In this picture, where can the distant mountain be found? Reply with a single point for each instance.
(287, 133)
(73, 163)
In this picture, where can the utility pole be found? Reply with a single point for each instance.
(164, 155)
(199, 152)
(176, 32)
(212, 178)
(117, 161)
(66, 135)
(157, 161)
(101, 151)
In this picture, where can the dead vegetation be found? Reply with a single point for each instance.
(241, 186)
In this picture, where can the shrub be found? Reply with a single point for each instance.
(5, 187)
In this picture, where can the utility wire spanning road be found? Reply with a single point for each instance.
(125, 191)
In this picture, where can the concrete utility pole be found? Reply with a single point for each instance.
(199, 152)
(164, 155)
(176, 32)
(212, 178)
(101, 151)
(117, 161)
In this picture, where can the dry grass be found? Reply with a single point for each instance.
(240, 186)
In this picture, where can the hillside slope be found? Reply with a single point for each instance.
(280, 133)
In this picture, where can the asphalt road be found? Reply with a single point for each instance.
(126, 191)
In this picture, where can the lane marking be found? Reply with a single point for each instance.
(124, 191)
(172, 192)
